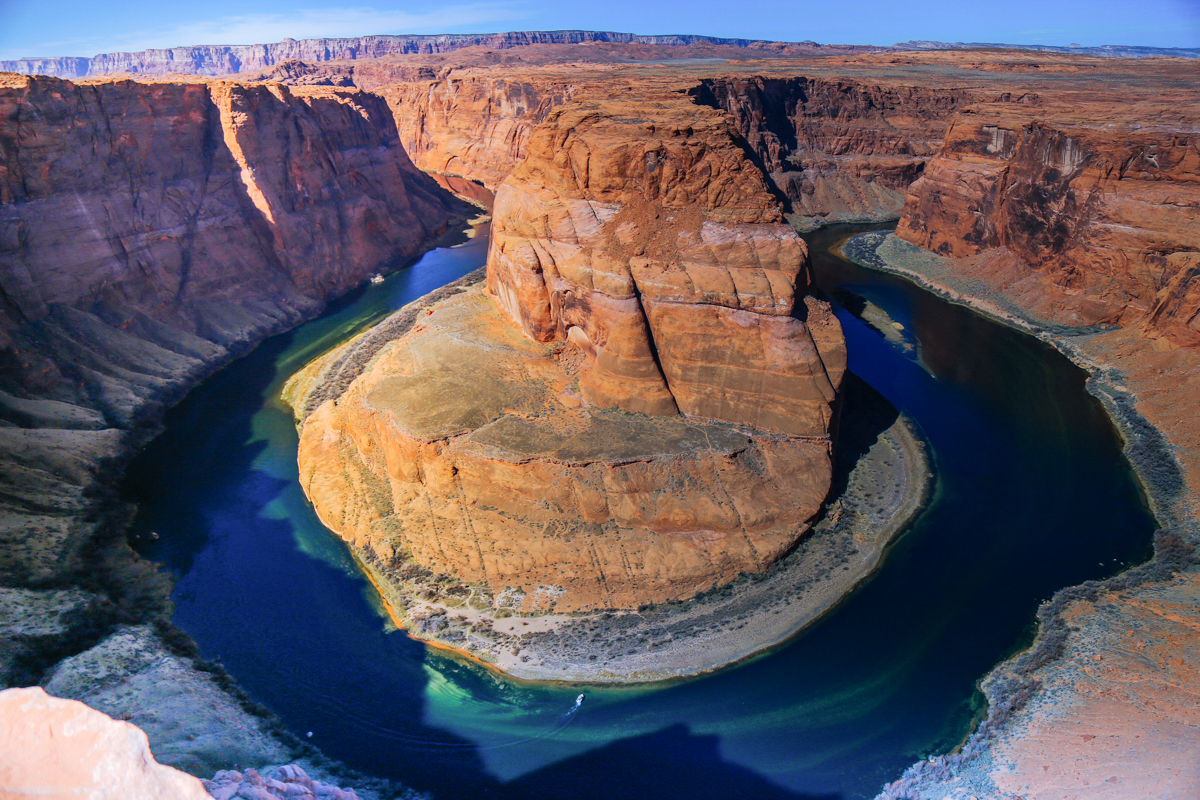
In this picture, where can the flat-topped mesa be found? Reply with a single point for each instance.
(639, 232)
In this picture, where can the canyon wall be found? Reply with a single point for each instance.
(838, 150)
(232, 59)
(1076, 214)
(187, 210)
(476, 126)
(1089, 212)
(149, 232)
(832, 150)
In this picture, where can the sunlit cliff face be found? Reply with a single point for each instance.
(657, 249)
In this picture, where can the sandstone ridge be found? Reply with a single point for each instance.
(230, 59)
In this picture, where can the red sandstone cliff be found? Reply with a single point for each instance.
(838, 149)
(639, 231)
(148, 229)
(1081, 206)
(1090, 213)
(474, 126)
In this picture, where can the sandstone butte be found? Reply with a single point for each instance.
(1058, 192)
(631, 413)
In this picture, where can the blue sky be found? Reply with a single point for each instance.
(87, 27)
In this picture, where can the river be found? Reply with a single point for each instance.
(1031, 494)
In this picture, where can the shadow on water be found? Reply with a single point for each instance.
(667, 763)
(216, 443)
(1031, 494)
(864, 416)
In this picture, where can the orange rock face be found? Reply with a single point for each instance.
(839, 150)
(634, 413)
(149, 229)
(641, 234)
(474, 126)
(239, 208)
(1095, 207)
(463, 449)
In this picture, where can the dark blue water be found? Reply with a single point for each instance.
(1031, 495)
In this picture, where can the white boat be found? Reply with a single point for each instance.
(578, 701)
(376, 278)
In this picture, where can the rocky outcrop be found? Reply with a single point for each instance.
(462, 450)
(642, 235)
(1110, 716)
(63, 749)
(190, 719)
(289, 782)
(1086, 212)
(530, 440)
(230, 59)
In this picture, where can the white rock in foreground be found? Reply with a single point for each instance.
(52, 748)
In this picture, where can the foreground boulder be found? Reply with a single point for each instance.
(55, 748)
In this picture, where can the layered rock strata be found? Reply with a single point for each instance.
(838, 150)
(1089, 214)
(474, 126)
(148, 230)
(462, 450)
(231, 59)
(641, 234)
(631, 414)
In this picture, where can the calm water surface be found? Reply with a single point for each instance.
(1031, 495)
